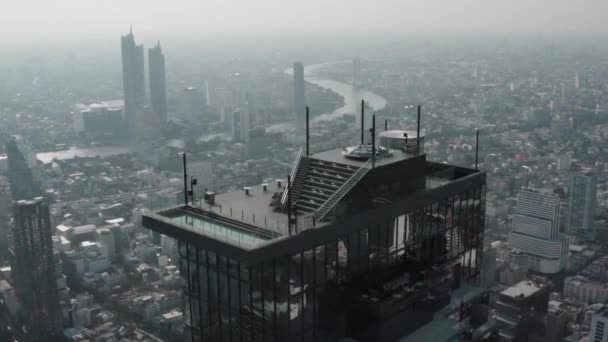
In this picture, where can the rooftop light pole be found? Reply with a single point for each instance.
(307, 131)
(373, 131)
(476, 147)
(362, 122)
(418, 132)
(289, 203)
(193, 182)
(185, 179)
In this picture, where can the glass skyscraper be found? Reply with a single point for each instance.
(34, 265)
(158, 91)
(582, 195)
(133, 76)
(364, 249)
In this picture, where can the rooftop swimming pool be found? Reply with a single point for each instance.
(220, 231)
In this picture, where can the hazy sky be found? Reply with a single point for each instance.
(48, 17)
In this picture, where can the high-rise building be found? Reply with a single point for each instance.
(33, 267)
(535, 233)
(582, 205)
(520, 312)
(352, 247)
(599, 326)
(158, 87)
(22, 170)
(257, 146)
(133, 77)
(299, 100)
(240, 125)
(192, 103)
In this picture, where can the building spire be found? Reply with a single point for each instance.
(131, 29)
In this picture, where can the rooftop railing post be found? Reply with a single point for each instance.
(476, 148)
(289, 204)
(418, 132)
(185, 179)
(307, 131)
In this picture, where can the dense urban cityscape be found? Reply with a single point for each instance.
(427, 189)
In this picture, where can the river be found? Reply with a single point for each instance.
(352, 95)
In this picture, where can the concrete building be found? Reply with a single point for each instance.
(535, 232)
(582, 201)
(100, 120)
(106, 237)
(599, 326)
(585, 290)
(557, 318)
(520, 311)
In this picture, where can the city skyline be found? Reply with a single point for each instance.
(164, 193)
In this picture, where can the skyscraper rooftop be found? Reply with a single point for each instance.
(379, 241)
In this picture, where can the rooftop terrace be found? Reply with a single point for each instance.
(254, 216)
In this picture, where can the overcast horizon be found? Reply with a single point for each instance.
(39, 20)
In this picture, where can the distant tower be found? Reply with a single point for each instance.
(582, 204)
(577, 80)
(192, 104)
(133, 77)
(21, 171)
(240, 125)
(357, 72)
(158, 91)
(299, 99)
(207, 94)
(33, 268)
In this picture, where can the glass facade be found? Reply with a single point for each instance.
(350, 285)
